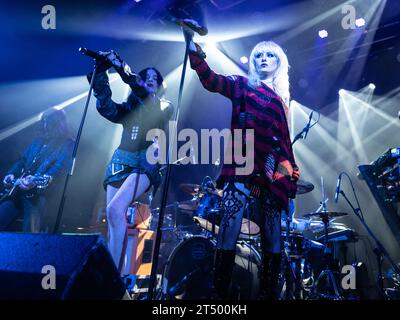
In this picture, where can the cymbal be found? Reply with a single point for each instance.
(191, 205)
(304, 187)
(190, 188)
(329, 214)
(197, 190)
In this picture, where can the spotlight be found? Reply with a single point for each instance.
(244, 60)
(371, 86)
(360, 22)
(341, 92)
(323, 33)
(210, 45)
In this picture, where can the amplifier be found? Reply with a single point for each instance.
(139, 252)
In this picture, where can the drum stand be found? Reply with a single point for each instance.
(327, 273)
(289, 273)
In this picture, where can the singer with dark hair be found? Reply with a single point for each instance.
(129, 173)
(259, 102)
(44, 160)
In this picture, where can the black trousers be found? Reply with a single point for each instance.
(32, 209)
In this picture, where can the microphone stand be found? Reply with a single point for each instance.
(167, 179)
(73, 160)
(379, 250)
(303, 133)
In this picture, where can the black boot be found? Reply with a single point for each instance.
(223, 267)
(269, 278)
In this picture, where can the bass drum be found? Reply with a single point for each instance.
(189, 272)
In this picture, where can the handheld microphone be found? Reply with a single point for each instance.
(91, 53)
(192, 25)
(338, 188)
(308, 125)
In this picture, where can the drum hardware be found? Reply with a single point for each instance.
(291, 285)
(344, 235)
(327, 273)
(379, 250)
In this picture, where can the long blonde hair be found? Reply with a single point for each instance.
(280, 80)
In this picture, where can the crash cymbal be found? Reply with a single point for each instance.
(304, 187)
(322, 214)
(190, 188)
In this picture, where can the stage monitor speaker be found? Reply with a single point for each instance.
(47, 266)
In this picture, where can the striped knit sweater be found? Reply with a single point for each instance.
(263, 110)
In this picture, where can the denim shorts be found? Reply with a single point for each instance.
(124, 163)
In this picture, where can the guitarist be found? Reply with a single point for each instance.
(44, 159)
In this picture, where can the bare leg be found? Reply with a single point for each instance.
(118, 201)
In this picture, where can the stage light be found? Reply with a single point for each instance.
(341, 92)
(323, 33)
(244, 60)
(372, 86)
(209, 45)
(360, 22)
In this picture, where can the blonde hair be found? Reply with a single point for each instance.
(280, 80)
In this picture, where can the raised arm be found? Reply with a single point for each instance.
(210, 80)
(105, 105)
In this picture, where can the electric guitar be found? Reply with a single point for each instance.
(41, 182)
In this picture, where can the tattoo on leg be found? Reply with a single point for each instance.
(231, 203)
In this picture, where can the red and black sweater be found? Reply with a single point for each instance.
(263, 110)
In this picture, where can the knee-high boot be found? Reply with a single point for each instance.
(223, 268)
(269, 279)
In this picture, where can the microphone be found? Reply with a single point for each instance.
(192, 25)
(338, 188)
(307, 128)
(91, 53)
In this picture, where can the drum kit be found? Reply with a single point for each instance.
(189, 236)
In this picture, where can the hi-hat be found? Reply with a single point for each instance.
(323, 214)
